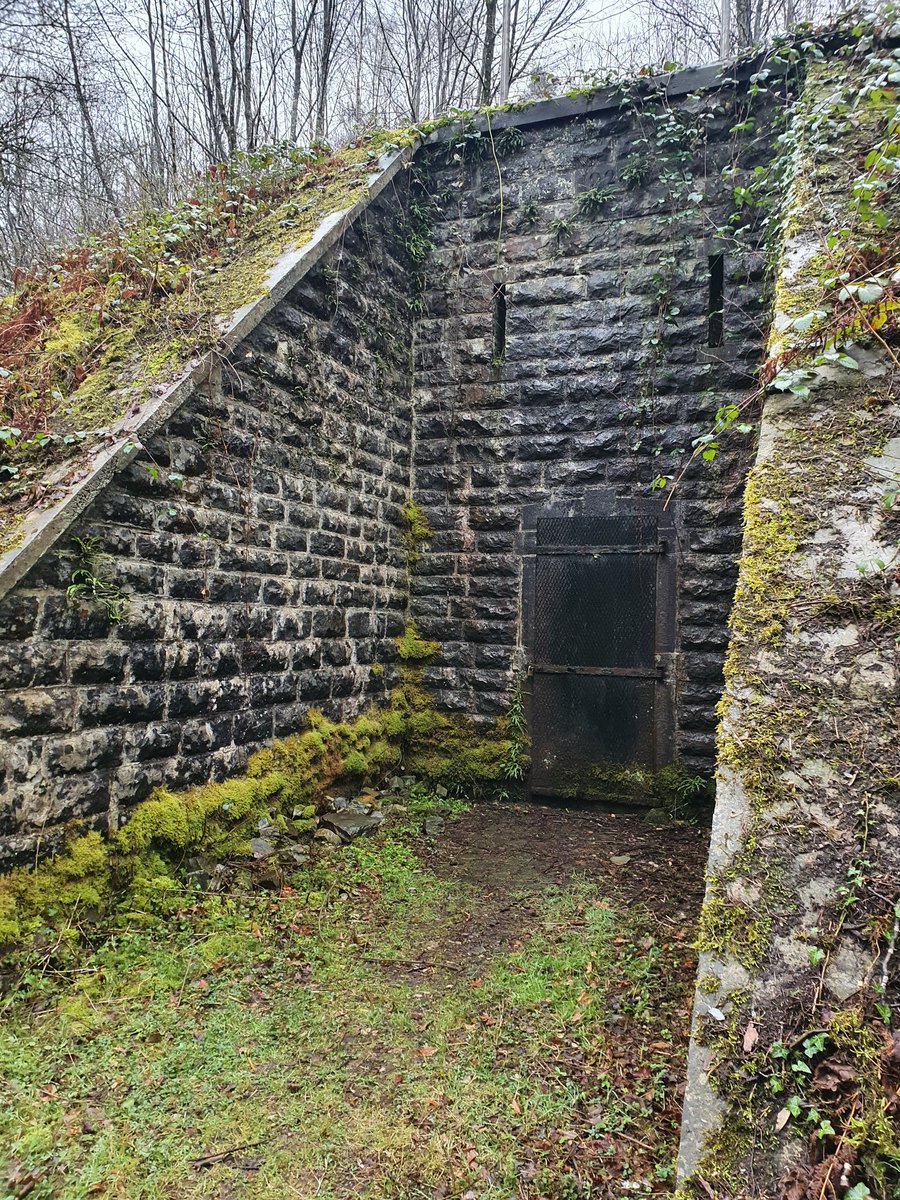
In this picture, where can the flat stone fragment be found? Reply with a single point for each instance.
(342, 804)
(351, 825)
(261, 847)
(328, 836)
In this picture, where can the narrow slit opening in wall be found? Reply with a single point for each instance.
(716, 299)
(499, 315)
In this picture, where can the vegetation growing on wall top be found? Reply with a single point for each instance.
(93, 333)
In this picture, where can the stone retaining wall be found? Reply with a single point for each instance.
(258, 540)
(271, 579)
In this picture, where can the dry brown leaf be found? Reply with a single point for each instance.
(830, 1076)
(751, 1037)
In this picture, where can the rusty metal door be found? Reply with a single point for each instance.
(602, 622)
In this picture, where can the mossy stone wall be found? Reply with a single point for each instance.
(599, 231)
(790, 1088)
(380, 430)
(258, 546)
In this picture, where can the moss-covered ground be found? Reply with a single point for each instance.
(500, 1012)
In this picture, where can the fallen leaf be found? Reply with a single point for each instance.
(751, 1037)
(716, 1014)
(426, 1051)
(515, 1105)
(620, 859)
(829, 1076)
(784, 1115)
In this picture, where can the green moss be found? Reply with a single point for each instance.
(354, 764)
(708, 983)
(10, 530)
(416, 530)
(772, 531)
(411, 647)
(728, 927)
(71, 336)
(140, 868)
(723, 1163)
(671, 787)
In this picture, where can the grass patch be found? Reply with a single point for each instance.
(288, 1044)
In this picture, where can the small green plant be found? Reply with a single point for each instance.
(561, 229)
(529, 211)
(510, 140)
(515, 761)
(90, 580)
(591, 202)
(635, 170)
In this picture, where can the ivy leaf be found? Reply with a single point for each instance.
(859, 1191)
(870, 292)
(804, 324)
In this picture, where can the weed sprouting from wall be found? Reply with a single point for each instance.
(91, 582)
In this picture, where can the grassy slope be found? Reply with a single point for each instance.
(93, 334)
(301, 1027)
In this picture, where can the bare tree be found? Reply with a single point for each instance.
(105, 105)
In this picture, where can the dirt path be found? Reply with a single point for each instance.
(508, 856)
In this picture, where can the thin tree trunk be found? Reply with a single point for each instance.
(487, 53)
(226, 123)
(85, 111)
(299, 51)
(324, 67)
(247, 73)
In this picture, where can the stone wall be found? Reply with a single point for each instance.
(258, 540)
(792, 1079)
(600, 232)
(271, 579)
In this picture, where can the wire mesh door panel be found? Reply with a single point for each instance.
(601, 697)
